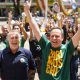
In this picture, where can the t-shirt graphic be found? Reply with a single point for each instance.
(54, 63)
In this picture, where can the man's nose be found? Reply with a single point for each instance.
(54, 37)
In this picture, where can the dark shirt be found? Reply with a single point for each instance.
(16, 66)
(35, 48)
(75, 60)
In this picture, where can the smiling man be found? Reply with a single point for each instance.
(15, 62)
(55, 55)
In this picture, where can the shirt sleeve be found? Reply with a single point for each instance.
(70, 47)
(0, 57)
(43, 42)
(32, 64)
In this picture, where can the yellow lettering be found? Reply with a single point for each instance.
(54, 62)
(53, 53)
(48, 68)
(54, 71)
(59, 63)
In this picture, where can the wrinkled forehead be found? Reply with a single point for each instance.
(14, 34)
(56, 31)
(16, 26)
(4, 27)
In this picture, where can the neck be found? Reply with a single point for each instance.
(14, 51)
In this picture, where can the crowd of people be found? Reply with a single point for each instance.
(34, 48)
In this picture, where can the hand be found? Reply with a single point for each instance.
(36, 77)
(10, 15)
(78, 26)
(27, 6)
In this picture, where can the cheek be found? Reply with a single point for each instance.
(9, 41)
(18, 42)
(60, 39)
(51, 39)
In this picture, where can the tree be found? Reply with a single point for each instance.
(16, 4)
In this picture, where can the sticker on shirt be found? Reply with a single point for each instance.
(24, 60)
(54, 63)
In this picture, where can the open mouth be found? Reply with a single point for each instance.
(14, 44)
(54, 42)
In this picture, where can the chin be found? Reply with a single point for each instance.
(15, 48)
(56, 46)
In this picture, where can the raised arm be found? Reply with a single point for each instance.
(24, 33)
(76, 37)
(9, 20)
(32, 23)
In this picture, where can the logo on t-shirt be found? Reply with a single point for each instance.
(54, 63)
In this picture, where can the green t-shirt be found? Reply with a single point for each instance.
(4, 44)
(22, 42)
(55, 62)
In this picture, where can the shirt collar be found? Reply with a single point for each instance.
(9, 50)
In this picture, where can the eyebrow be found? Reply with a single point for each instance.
(14, 36)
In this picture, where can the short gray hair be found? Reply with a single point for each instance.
(58, 29)
(13, 32)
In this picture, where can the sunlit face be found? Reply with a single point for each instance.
(14, 41)
(4, 30)
(70, 34)
(17, 28)
(56, 7)
(56, 38)
(79, 25)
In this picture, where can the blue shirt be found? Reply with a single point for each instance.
(16, 66)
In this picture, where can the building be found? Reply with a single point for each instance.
(7, 5)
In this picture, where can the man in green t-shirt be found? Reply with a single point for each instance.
(55, 55)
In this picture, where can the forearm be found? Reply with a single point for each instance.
(33, 25)
(9, 25)
(9, 20)
(31, 34)
(23, 32)
(76, 38)
(65, 11)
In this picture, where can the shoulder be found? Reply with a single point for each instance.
(63, 46)
(6, 50)
(43, 39)
(25, 51)
(69, 43)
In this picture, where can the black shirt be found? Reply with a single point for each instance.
(16, 66)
